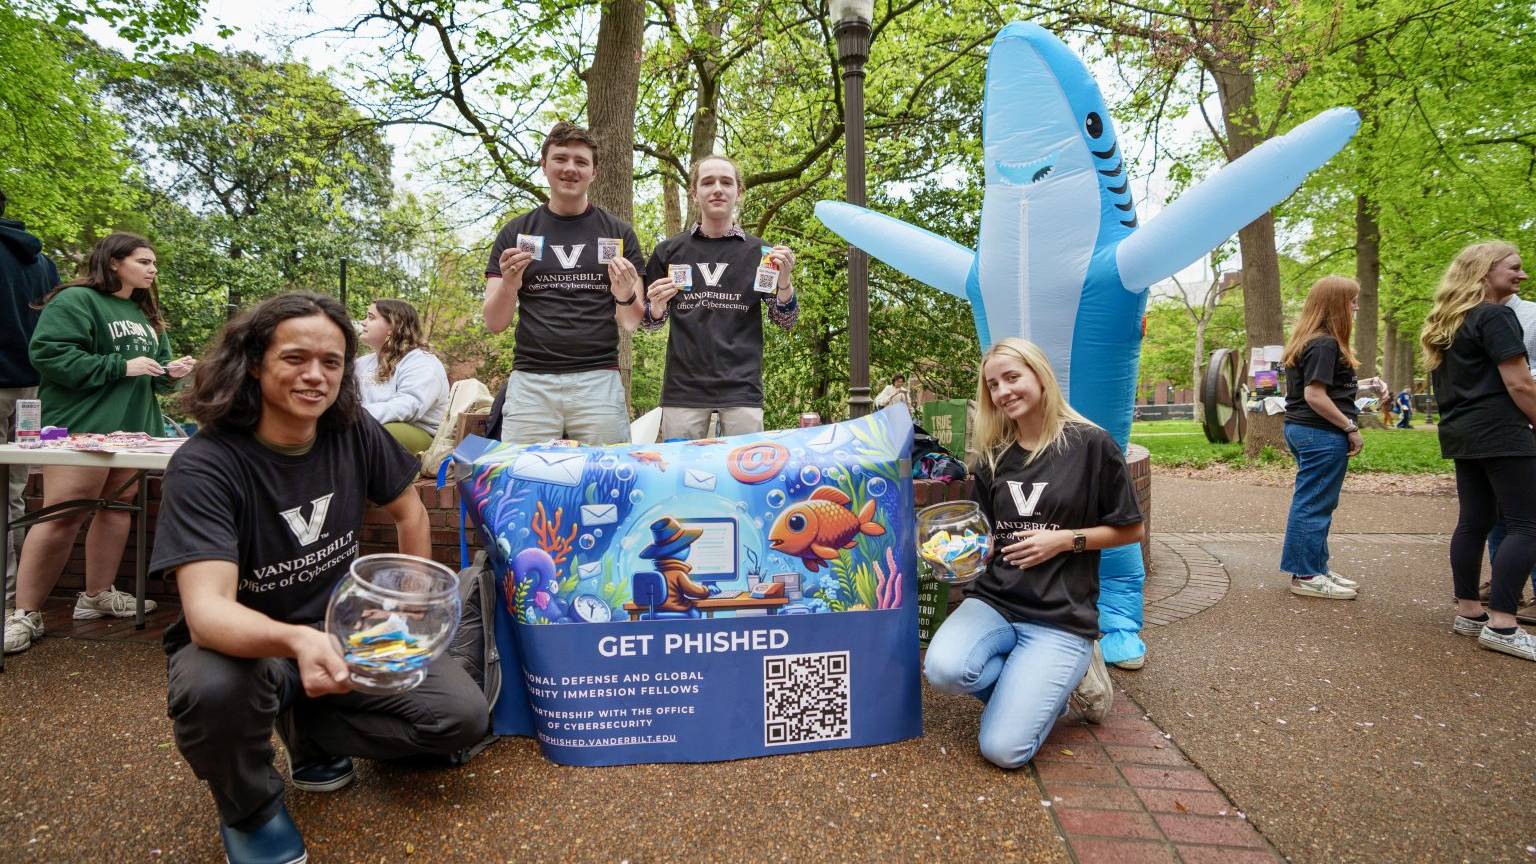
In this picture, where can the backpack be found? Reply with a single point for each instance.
(931, 461)
(466, 397)
(474, 645)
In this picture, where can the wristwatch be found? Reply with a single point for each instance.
(1351, 428)
(1079, 541)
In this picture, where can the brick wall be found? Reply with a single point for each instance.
(443, 511)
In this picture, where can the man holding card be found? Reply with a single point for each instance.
(572, 270)
(712, 281)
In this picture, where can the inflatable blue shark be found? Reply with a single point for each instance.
(1061, 260)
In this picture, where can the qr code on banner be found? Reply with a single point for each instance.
(806, 697)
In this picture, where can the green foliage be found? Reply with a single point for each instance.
(61, 159)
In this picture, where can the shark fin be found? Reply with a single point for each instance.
(917, 252)
(1205, 216)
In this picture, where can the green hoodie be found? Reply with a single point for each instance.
(81, 348)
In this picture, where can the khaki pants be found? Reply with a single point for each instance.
(693, 423)
(582, 406)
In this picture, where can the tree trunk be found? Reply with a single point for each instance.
(1368, 274)
(671, 207)
(234, 301)
(706, 114)
(1261, 264)
(612, 89)
(1389, 354)
(1368, 233)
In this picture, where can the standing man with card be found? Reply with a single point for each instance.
(712, 281)
(573, 271)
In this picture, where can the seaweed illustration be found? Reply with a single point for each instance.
(519, 599)
(549, 533)
(887, 584)
(879, 450)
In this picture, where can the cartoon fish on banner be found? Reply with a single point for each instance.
(815, 529)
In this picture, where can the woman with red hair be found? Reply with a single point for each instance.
(1320, 430)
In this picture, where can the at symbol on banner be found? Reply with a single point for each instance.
(757, 463)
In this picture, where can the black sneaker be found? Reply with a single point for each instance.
(324, 776)
(276, 842)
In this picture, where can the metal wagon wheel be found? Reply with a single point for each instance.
(1221, 398)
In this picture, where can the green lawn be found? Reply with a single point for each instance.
(1180, 443)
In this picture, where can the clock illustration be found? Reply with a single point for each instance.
(590, 609)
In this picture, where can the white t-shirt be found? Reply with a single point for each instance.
(1525, 310)
(417, 393)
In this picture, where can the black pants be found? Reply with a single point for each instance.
(1485, 487)
(224, 710)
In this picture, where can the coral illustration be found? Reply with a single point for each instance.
(549, 533)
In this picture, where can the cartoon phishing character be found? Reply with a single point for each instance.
(815, 529)
(1062, 259)
(669, 548)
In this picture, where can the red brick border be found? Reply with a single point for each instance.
(1123, 793)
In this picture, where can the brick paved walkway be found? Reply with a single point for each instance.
(1123, 793)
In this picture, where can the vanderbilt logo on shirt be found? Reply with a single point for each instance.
(712, 273)
(308, 531)
(1025, 503)
(569, 255)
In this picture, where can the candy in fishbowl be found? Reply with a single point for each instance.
(392, 615)
(955, 539)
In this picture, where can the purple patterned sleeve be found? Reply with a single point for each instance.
(784, 315)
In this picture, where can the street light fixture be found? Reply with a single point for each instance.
(850, 25)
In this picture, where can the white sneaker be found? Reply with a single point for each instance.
(1095, 693)
(21, 630)
(1464, 626)
(1519, 643)
(1132, 664)
(1320, 586)
(1340, 580)
(118, 604)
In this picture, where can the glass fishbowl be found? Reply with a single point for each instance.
(393, 615)
(955, 539)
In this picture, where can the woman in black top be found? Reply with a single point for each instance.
(1320, 412)
(1474, 350)
(1056, 490)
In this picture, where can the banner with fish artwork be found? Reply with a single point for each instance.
(703, 600)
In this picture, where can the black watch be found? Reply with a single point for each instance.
(1079, 541)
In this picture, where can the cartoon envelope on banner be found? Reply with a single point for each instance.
(830, 438)
(563, 468)
(589, 571)
(695, 478)
(599, 514)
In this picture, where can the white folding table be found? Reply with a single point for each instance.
(142, 463)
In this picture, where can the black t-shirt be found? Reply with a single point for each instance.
(1320, 362)
(1080, 483)
(715, 350)
(291, 523)
(1478, 419)
(565, 309)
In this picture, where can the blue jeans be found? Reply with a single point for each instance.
(1321, 457)
(1023, 671)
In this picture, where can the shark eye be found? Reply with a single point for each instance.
(1094, 124)
(797, 523)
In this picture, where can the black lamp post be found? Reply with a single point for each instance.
(850, 24)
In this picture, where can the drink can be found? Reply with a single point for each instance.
(29, 422)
